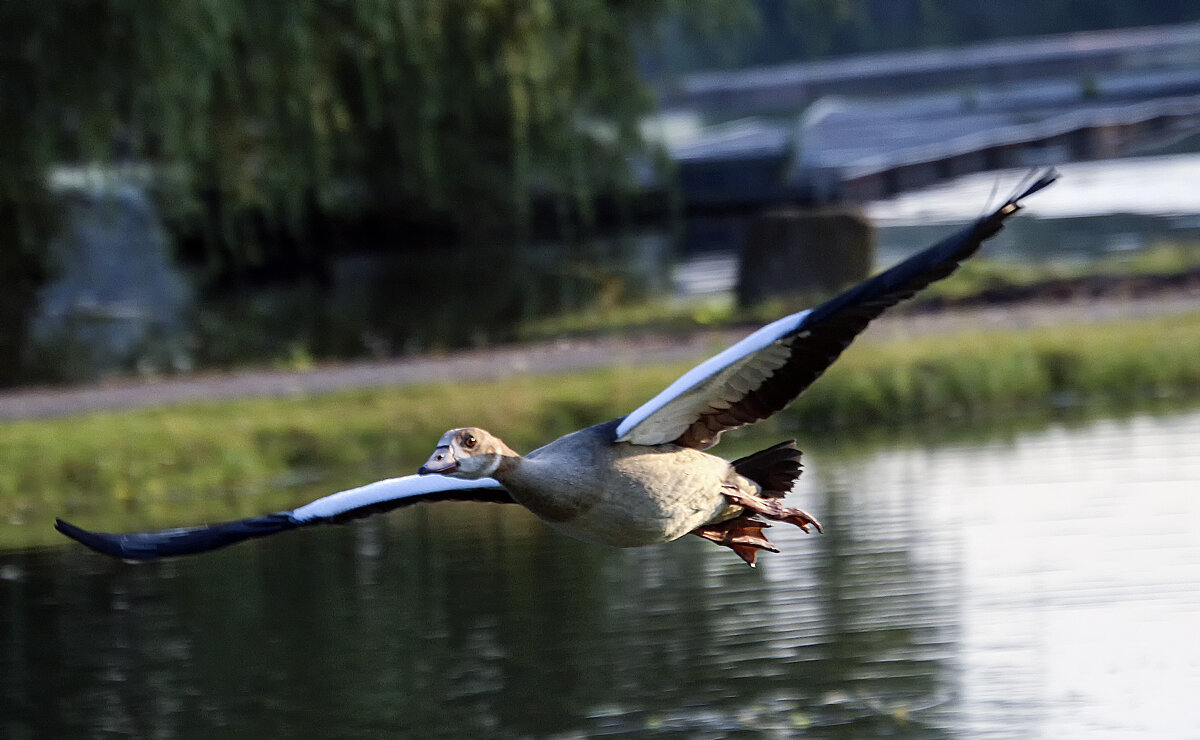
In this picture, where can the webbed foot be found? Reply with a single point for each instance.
(743, 535)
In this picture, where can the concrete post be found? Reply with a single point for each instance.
(794, 251)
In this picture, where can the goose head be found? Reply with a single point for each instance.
(469, 453)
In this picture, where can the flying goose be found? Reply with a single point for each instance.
(645, 478)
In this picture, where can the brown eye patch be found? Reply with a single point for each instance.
(468, 440)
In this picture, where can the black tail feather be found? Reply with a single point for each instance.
(775, 469)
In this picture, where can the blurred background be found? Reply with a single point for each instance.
(220, 194)
(226, 184)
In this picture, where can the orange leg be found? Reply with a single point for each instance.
(772, 509)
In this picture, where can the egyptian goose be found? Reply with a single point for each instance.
(645, 478)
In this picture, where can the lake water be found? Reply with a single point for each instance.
(1043, 584)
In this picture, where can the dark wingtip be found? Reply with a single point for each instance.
(183, 541)
(1041, 182)
(103, 543)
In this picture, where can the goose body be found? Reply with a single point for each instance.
(617, 493)
(645, 478)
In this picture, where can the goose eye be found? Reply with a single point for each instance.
(469, 441)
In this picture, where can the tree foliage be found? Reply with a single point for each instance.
(447, 107)
(257, 116)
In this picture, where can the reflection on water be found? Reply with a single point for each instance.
(1045, 585)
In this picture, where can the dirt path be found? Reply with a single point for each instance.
(540, 358)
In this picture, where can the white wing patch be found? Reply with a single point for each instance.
(717, 383)
(385, 490)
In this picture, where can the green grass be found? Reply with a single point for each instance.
(986, 373)
(180, 464)
(974, 277)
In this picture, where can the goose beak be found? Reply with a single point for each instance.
(441, 461)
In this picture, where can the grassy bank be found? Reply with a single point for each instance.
(173, 464)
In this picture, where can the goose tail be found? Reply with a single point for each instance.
(775, 469)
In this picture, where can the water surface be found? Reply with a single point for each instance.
(1042, 585)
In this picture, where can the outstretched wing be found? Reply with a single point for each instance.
(337, 508)
(765, 372)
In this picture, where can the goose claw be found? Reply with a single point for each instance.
(772, 509)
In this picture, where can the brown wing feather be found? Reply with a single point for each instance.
(833, 325)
